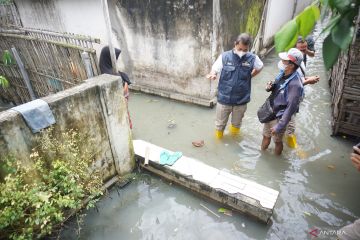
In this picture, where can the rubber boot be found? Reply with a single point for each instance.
(234, 131)
(219, 134)
(291, 141)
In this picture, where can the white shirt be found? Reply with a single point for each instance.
(218, 65)
(302, 65)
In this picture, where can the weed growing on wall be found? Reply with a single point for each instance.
(4, 82)
(35, 200)
(5, 1)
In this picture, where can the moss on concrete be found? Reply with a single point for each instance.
(254, 17)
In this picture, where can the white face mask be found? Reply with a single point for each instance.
(281, 65)
(240, 53)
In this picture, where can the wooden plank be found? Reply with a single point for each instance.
(24, 73)
(6, 35)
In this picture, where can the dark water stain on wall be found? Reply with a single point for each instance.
(171, 43)
(168, 19)
(240, 16)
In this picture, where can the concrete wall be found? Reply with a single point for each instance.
(167, 46)
(96, 108)
(81, 16)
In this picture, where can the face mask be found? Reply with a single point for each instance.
(281, 65)
(240, 53)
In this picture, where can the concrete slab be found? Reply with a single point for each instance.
(233, 191)
(176, 96)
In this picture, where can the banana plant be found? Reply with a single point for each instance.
(338, 33)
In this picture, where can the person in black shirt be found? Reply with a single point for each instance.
(106, 67)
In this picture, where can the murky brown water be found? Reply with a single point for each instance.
(311, 193)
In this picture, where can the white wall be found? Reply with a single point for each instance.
(83, 17)
(301, 5)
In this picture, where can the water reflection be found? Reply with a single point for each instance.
(311, 193)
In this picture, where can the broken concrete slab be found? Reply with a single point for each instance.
(233, 191)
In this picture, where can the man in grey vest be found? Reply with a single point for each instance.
(236, 68)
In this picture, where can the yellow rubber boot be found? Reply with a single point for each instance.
(219, 134)
(291, 141)
(234, 130)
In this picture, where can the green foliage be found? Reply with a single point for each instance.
(254, 17)
(7, 58)
(36, 199)
(332, 50)
(306, 20)
(286, 37)
(5, 1)
(4, 82)
(339, 31)
(302, 25)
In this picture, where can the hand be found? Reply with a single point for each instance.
(272, 130)
(355, 158)
(269, 86)
(312, 80)
(309, 52)
(211, 76)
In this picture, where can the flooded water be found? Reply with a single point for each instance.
(319, 187)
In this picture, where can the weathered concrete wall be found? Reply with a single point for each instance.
(40, 14)
(167, 46)
(96, 108)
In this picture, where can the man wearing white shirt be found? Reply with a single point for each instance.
(236, 68)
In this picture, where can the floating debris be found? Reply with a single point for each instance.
(307, 213)
(198, 143)
(331, 167)
(171, 124)
(152, 100)
(209, 210)
(225, 211)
